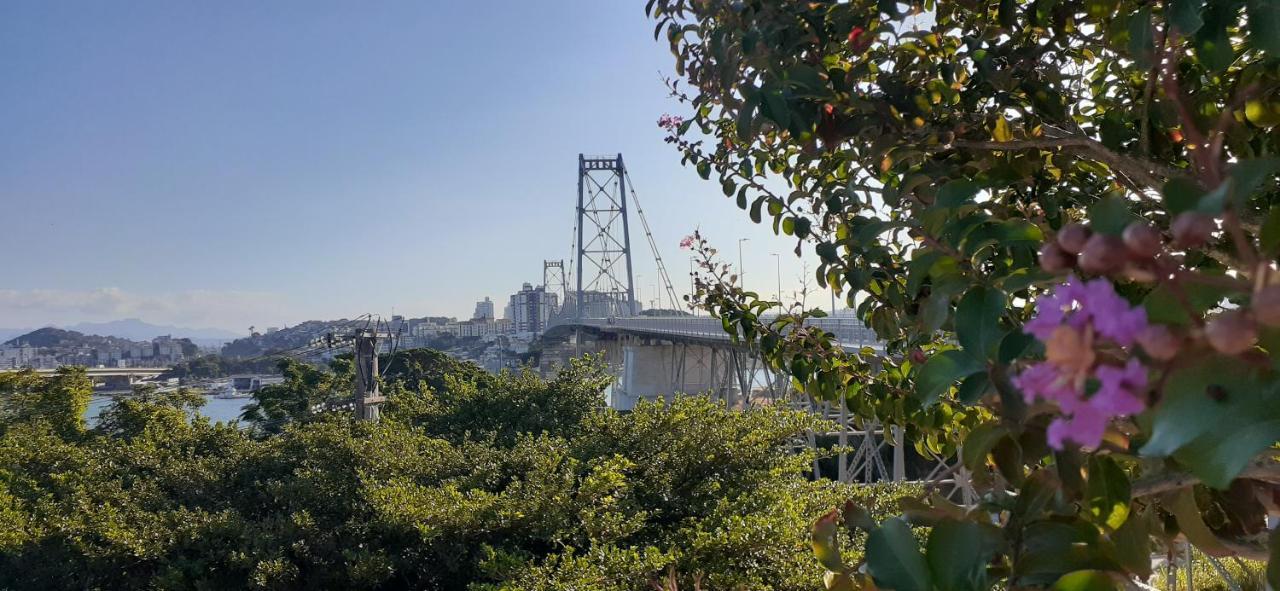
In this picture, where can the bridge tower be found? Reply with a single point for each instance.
(555, 281)
(605, 286)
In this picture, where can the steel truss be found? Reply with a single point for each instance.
(603, 245)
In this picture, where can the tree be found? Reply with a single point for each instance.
(510, 482)
(59, 400)
(1058, 216)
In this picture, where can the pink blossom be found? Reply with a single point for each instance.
(670, 122)
(1095, 302)
(1121, 390)
(1091, 307)
(1085, 427)
(686, 243)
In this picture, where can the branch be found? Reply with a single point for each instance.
(1150, 174)
(1263, 468)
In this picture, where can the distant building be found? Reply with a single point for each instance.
(484, 310)
(531, 309)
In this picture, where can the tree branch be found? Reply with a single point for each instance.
(1263, 468)
(1150, 174)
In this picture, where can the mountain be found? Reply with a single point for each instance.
(56, 338)
(138, 330)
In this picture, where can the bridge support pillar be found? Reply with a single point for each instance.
(656, 369)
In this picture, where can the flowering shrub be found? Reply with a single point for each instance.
(1061, 220)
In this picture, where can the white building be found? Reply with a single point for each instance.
(531, 309)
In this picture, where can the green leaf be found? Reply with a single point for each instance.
(972, 388)
(1008, 14)
(1264, 33)
(934, 310)
(979, 442)
(1181, 194)
(1086, 580)
(1107, 492)
(1182, 504)
(941, 371)
(755, 209)
(1248, 175)
(1213, 46)
(1249, 427)
(894, 559)
(1110, 215)
(1187, 410)
(956, 193)
(1164, 307)
(1014, 345)
(958, 553)
(777, 106)
(1185, 15)
(1269, 238)
(744, 118)
(1141, 43)
(918, 270)
(978, 321)
(1133, 545)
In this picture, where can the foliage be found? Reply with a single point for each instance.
(948, 166)
(59, 402)
(508, 482)
(217, 366)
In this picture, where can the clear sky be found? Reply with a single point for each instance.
(240, 162)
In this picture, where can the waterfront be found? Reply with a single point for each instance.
(226, 410)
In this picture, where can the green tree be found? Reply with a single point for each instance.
(947, 165)
(59, 400)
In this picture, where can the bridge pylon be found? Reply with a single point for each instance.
(605, 284)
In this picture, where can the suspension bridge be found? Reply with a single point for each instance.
(656, 356)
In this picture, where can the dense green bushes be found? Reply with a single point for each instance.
(506, 482)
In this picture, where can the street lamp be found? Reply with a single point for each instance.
(778, 260)
(742, 269)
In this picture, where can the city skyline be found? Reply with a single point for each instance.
(191, 167)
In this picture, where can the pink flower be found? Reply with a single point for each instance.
(686, 243)
(1085, 427)
(1087, 308)
(670, 122)
(1122, 389)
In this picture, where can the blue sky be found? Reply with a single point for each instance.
(241, 163)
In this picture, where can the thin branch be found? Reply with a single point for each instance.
(1263, 468)
(1150, 174)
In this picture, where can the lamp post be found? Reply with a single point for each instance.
(777, 259)
(742, 270)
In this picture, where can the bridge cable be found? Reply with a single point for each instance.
(653, 246)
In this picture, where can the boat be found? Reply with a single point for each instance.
(230, 391)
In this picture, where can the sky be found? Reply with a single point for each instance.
(245, 163)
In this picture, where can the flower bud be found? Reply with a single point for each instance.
(918, 356)
(1232, 332)
(1103, 254)
(1054, 260)
(1266, 306)
(1072, 237)
(1191, 229)
(1143, 240)
(1159, 342)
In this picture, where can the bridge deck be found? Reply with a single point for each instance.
(849, 332)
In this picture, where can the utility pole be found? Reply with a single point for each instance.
(742, 269)
(366, 395)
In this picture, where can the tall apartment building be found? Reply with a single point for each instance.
(531, 308)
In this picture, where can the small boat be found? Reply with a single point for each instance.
(230, 391)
